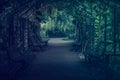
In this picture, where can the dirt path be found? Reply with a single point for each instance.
(58, 51)
(59, 63)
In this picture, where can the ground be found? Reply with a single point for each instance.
(59, 63)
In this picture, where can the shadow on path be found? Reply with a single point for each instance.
(59, 63)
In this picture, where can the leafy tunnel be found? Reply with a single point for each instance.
(27, 26)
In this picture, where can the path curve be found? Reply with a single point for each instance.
(59, 63)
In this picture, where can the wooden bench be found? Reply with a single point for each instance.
(38, 45)
(76, 47)
(44, 41)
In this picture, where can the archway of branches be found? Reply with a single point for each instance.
(92, 24)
